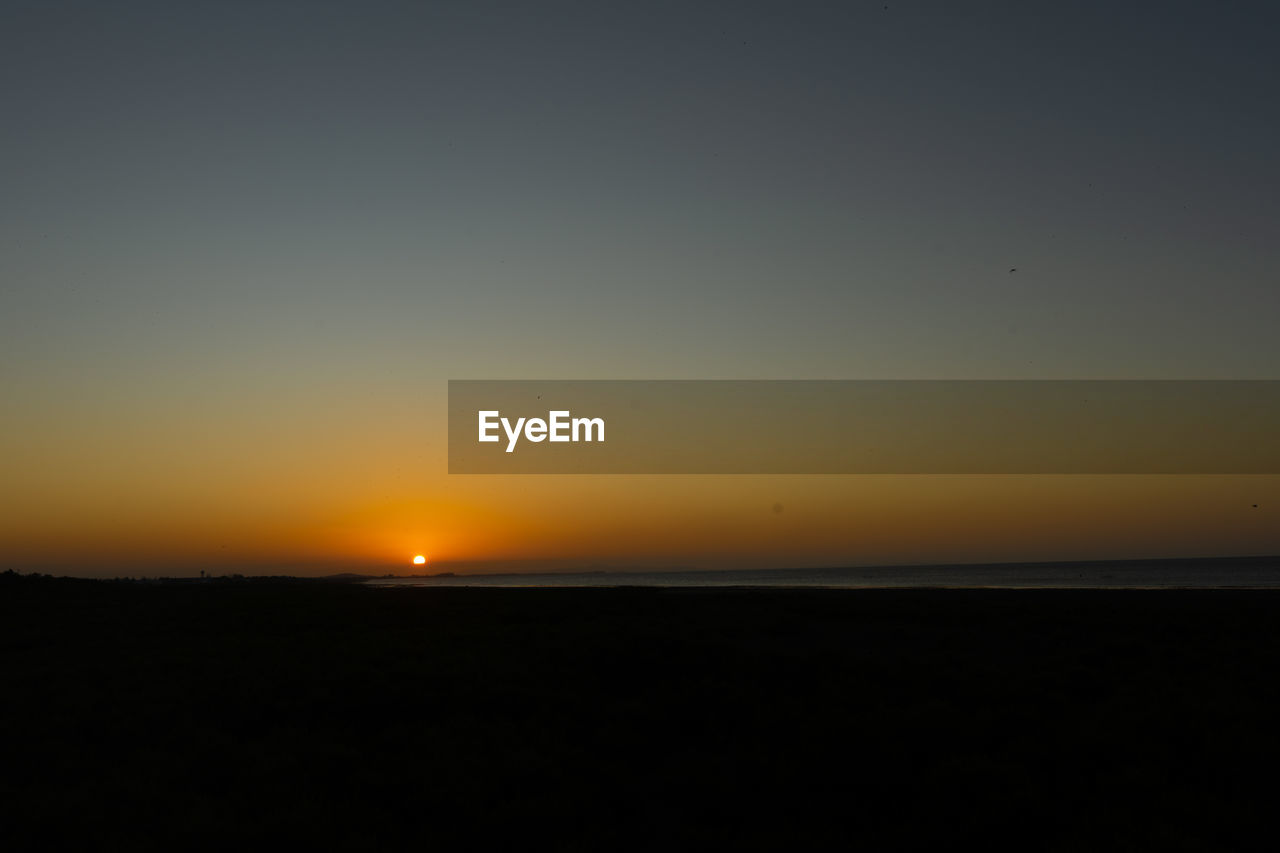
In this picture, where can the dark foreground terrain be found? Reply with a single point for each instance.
(257, 713)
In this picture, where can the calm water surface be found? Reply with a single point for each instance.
(1247, 573)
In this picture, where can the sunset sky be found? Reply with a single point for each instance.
(246, 245)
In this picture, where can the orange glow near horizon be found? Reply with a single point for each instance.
(290, 492)
(544, 523)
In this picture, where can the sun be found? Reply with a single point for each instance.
(419, 560)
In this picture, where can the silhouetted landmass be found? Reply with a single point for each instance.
(271, 711)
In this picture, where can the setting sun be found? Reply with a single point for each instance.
(419, 560)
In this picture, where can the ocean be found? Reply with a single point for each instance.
(1199, 573)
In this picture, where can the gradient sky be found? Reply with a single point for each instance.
(246, 244)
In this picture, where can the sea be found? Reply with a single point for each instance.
(1198, 573)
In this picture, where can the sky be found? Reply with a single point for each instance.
(246, 245)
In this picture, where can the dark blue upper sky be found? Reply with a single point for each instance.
(769, 189)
